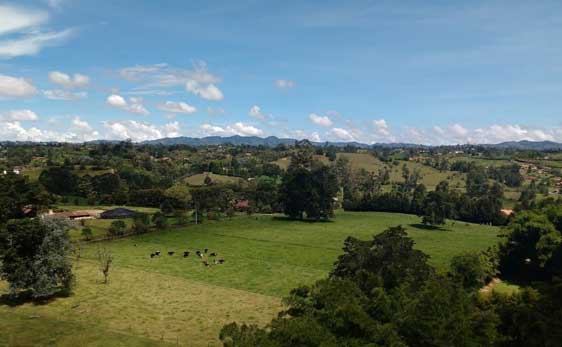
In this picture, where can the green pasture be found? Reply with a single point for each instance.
(175, 300)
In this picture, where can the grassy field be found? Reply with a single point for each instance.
(199, 179)
(430, 177)
(34, 172)
(177, 300)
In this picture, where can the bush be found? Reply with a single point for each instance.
(87, 233)
(117, 228)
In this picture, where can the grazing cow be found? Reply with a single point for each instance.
(152, 255)
(200, 255)
(198, 252)
(213, 254)
(157, 253)
(171, 253)
(186, 254)
(221, 261)
(206, 250)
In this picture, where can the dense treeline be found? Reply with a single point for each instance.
(480, 204)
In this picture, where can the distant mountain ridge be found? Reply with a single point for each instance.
(529, 145)
(272, 141)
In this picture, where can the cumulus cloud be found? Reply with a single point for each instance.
(256, 112)
(176, 107)
(68, 81)
(59, 94)
(459, 134)
(139, 131)
(25, 28)
(342, 134)
(134, 105)
(16, 87)
(19, 115)
(284, 84)
(81, 124)
(78, 132)
(172, 129)
(304, 135)
(237, 128)
(381, 127)
(323, 121)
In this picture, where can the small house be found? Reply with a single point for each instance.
(118, 213)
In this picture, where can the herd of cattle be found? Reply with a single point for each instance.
(198, 253)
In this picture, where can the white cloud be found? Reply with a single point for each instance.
(237, 128)
(255, 111)
(459, 134)
(207, 92)
(458, 131)
(19, 115)
(342, 134)
(13, 19)
(16, 87)
(323, 121)
(140, 131)
(381, 127)
(59, 94)
(197, 80)
(131, 129)
(284, 84)
(68, 81)
(133, 106)
(24, 28)
(14, 131)
(172, 129)
(81, 124)
(116, 101)
(31, 44)
(55, 4)
(248, 130)
(176, 107)
(301, 135)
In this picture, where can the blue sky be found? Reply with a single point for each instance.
(430, 72)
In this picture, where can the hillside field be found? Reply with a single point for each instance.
(173, 300)
(430, 177)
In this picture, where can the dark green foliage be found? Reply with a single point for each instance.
(141, 223)
(34, 256)
(436, 208)
(214, 197)
(106, 184)
(117, 228)
(309, 189)
(532, 248)
(473, 270)
(87, 233)
(166, 207)
(59, 180)
(159, 219)
(16, 193)
(390, 256)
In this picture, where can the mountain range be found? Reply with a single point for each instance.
(273, 141)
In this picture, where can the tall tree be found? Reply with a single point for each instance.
(34, 256)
